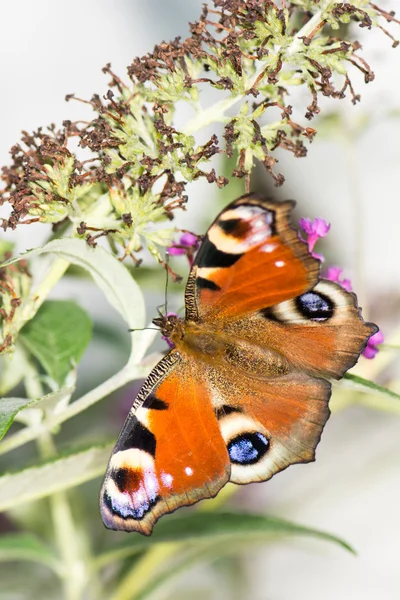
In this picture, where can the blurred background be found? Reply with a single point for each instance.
(350, 178)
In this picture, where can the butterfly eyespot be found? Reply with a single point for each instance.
(123, 478)
(233, 227)
(122, 505)
(315, 306)
(248, 448)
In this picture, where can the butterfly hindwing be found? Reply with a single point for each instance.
(170, 452)
(269, 423)
(320, 332)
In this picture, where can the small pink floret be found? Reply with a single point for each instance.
(315, 230)
(334, 274)
(187, 240)
(375, 340)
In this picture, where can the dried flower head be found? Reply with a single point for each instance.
(253, 53)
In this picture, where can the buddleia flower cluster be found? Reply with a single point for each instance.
(130, 174)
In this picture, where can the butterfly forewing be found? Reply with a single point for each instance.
(249, 259)
(170, 452)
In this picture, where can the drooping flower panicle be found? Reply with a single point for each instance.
(252, 54)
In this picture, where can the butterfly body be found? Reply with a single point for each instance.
(244, 392)
(212, 345)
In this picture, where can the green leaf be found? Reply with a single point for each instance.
(25, 546)
(57, 336)
(12, 369)
(226, 527)
(110, 275)
(9, 407)
(58, 474)
(364, 385)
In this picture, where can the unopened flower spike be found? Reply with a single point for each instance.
(316, 229)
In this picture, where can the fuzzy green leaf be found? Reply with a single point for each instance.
(225, 527)
(25, 546)
(9, 408)
(111, 276)
(58, 474)
(57, 336)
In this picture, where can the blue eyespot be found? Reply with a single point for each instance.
(247, 448)
(315, 306)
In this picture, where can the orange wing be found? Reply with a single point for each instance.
(170, 452)
(249, 259)
(269, 424)
(321, 332)
(194, 427)
(256, 280)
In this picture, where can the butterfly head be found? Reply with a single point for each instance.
(170, 326)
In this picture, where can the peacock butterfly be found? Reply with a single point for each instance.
(244, 393)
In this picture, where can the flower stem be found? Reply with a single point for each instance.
(142, 573)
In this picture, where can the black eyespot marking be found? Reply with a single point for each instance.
(234, 227)
(268, 215)
(225, 410)
(315, 306)
(125, 478)
(209, 256)
(247, 448)
(137, 436)
(269, 314)
(154, 403)
(206, 284)
(125, 510)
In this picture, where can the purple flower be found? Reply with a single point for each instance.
(371, 349)
(334, 274)
(188, 244)
(314, 229)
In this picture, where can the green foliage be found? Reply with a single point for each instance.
(9, 408)
(56, 474)
(23, 546)
(57, 336)
(254, 54)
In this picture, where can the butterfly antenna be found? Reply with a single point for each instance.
(142, 329)
(166, 283)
